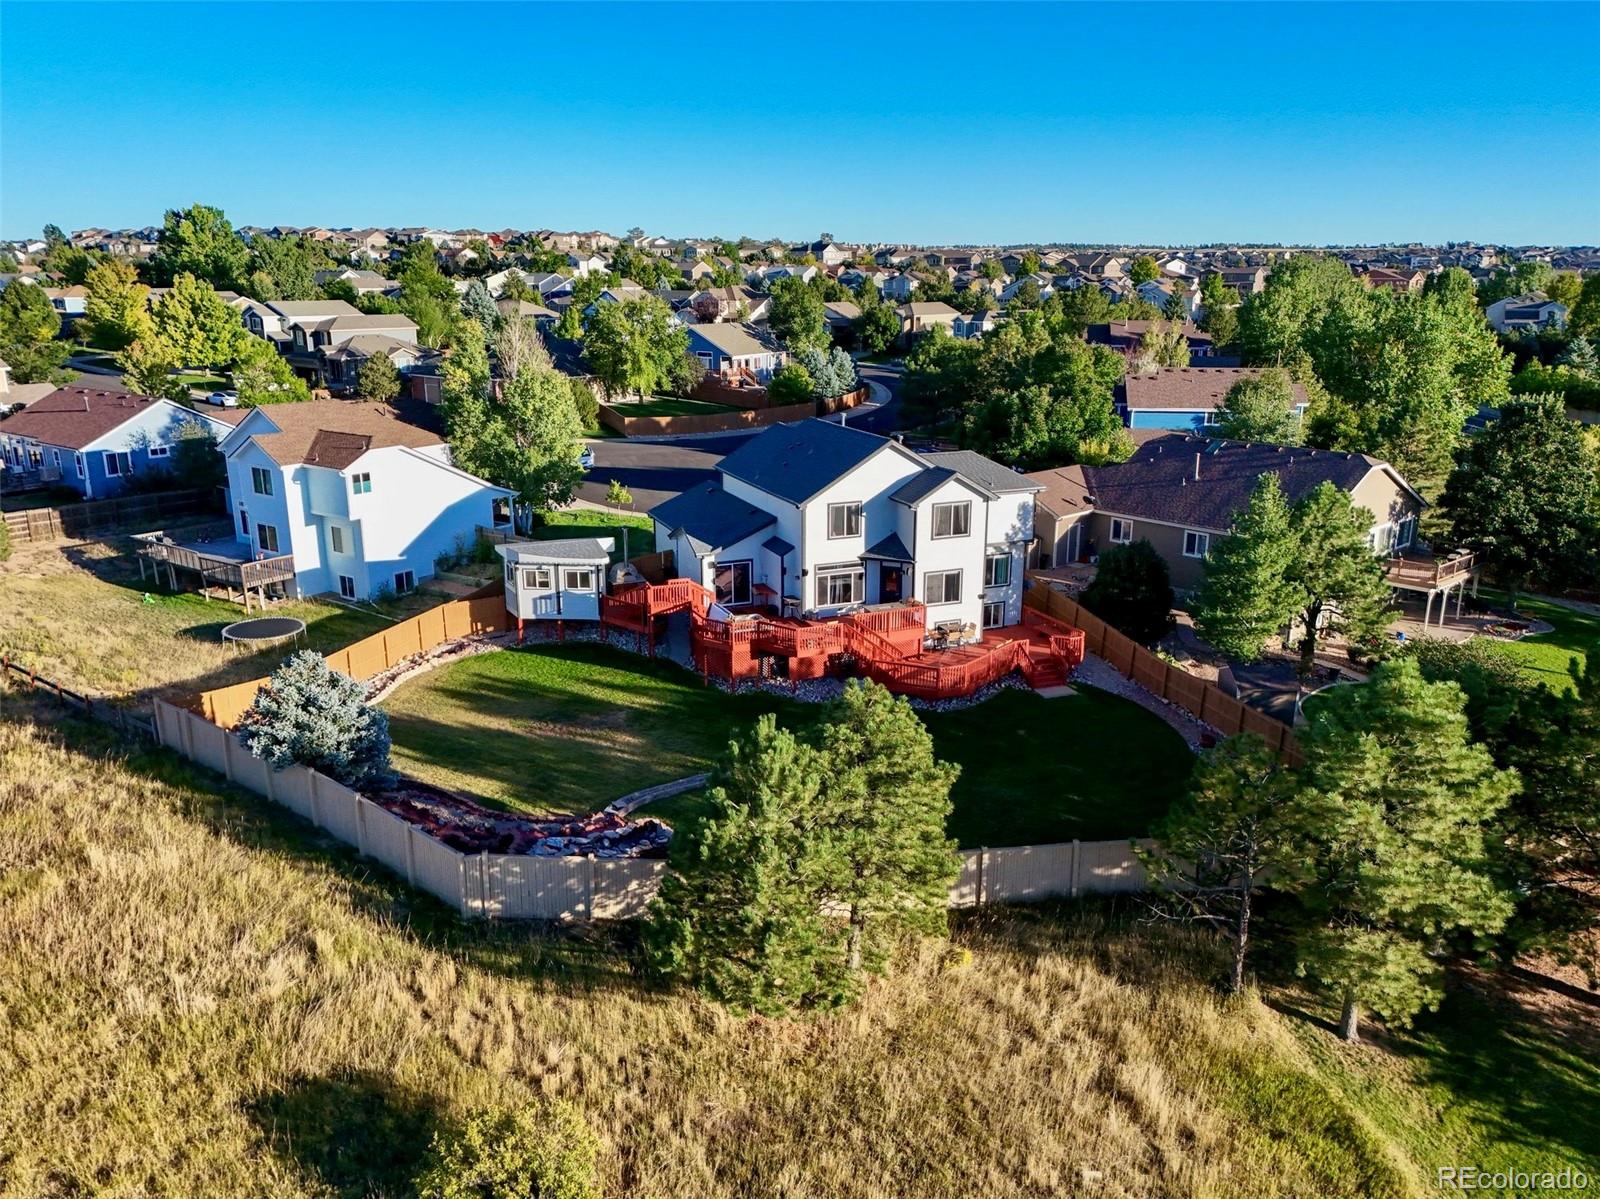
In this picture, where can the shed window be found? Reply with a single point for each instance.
(536, 578)
(578, 578)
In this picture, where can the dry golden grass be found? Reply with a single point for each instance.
(78, 614)
(200, 997)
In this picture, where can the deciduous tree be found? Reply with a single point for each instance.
(1144, 269)
(28, 328)
(1339, 581)
(378, 379)
(1132, 591)
(199, 241)
(635, 347)
(796, 314)
(1261, 408)
(263, 376)
(790, 384)
(116, 313)
(198, 326)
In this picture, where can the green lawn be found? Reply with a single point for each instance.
(1545, 655)
(204, 382)
(568, 728)
(586, 522)
(673, 406)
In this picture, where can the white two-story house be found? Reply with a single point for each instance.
(363, 499)
(815, 519)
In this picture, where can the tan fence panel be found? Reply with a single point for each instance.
(385, 837)
(542, 888)
(1108, 866)
(246, 769)
(336, 809)
(209, 746)
(624, 887)
(1028, 872)
(964, 891)
(170, 723)
(439, 870)
(291, 787)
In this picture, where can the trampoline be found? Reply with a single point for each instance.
(263, 632)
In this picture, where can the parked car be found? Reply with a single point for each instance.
(586, 458)
(224, 399)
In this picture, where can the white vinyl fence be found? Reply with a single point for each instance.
(516, 886)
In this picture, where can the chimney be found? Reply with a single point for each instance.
(1197, 466)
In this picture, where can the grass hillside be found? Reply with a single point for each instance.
(200, 996)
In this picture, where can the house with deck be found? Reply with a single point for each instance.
(98, 440)
(361, 499)
(732, 351)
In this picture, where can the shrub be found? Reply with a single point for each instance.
(1132, 591)
(790, 384)
(5, 541)
(588, 407)
(309, 713)
(544, 1152)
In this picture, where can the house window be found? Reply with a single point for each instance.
(267, 538)
(260, 480)
(994, 615)
(336, 538)
(1121, 531)
(1407, 534)
(77, 461)
(347, 587)
(941, 587)
(841, 585)
(732, 582)
(1196, 545)
(56, 454)
(952, 520)
(404, 581)
(117, 463)
(844, 520)
(361, 484)
(159, 451)
(577, 578)
(997, 570)
(536, 578)
(500, 514)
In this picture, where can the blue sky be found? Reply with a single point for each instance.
(927, 123)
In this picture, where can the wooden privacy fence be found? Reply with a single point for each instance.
(517, 886)
(98, 516)
(484, 612)
(1205, 701)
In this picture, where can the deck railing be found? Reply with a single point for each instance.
(1438, 572)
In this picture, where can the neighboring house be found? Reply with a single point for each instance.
(68, 301)
(1126, 336)
(316, 327)
(362, 499)
(974, 325)
(1401, 282)
(899, 287)
(709, 305)
(583, 265)
(1185, 397)
(97, 440)
(817, 518)
(556, 580)
(840, 316)
(366, 283)
(261, 320)
(1180, 492)
(19, 395)
(342, 363)
(1532, 311)
(1245, 281)
(730, 350)
(920, 317)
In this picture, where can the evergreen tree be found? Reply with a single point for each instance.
(739, 914)
(116, 313)
(29, 324)
(378, 379)
(1247, 597)
(1218, 845)
(199, 328)
(1580, 356)
(311, 714)
(1523, 494)
(1260, 408)
(1339, 580)
(1391, 828)
(477, 305)
(516, 288)
(196, 463)
(881, 816)
(1132, 591)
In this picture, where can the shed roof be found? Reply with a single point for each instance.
(568, 549)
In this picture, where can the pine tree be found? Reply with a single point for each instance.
(1391, 829)
(740, 913)
(1246, 597)
(1340, 580)
(1132, 590)
(478, 305)
(311, 714)
(883, 808)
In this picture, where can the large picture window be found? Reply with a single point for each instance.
(731, 582)
(841, 585)
(844, 520)
(952, 520)
(941, 587)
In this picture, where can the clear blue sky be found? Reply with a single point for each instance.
(927, 123)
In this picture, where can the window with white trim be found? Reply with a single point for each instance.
(844, 520)
(941, 587)
(537, 578)
(56, 454)
(260, 480)
(267, 538)
(347, 587)
(994, 615)
(361, 484)
(158, 451)
(77, 461)
(577, 578)
(118, 463)
(1196, 544)
(952, 519)
(404, 581)
(1121, 531)
(997, 570)
(1407, 534)
(841, 585)
(336, 538)
(511, 573)
(730, 581)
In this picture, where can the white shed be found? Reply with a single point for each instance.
(556, 580)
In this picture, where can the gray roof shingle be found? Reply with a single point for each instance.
(985, 472)
(796, 461)
(711, 517)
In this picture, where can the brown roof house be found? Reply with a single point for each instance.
(1180, 491)
(1185, 397)
(96, 440)
(363, 499)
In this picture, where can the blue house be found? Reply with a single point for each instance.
(730, 350)
(97, 440)
(1187, 397)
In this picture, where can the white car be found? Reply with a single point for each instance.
(224, 399)
(586, 457)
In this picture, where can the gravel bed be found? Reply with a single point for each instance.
(380, 686)
(1099, 673)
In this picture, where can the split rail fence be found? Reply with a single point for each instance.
(1205, 701)
(517, 886)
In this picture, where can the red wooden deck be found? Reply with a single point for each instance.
(883, 643)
